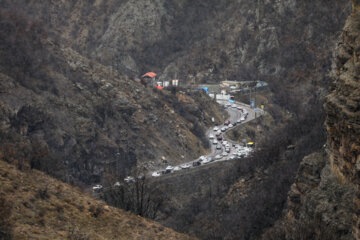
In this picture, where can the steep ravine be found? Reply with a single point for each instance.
(74, 104)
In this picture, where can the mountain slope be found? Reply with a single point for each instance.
(36, 206)
(88, 117)
(287, 43)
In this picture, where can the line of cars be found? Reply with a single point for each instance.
(170, 169)
(238, 152)
(128, 180)
(244, 112)
(217, 139)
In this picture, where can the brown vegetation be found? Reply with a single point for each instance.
(35, 206)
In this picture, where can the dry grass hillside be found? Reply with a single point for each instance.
(36, 206)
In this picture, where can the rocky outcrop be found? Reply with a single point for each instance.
(318, 205)
(343, 111)
(343, 106)
(324, 199)
(317, 197)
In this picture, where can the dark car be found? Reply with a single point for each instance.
(219, 138)
(196, 163)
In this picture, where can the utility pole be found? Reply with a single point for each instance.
(255, 95)
(250, 95)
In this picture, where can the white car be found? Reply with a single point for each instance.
(240, 108)
(218, 157)
(242, 119)
(224, 143)
(156, 174)
(169, 168)
(239, 120)
(233, 106)
(215, 141)
(117, 184)
(205, 162)
(223, 129)
(216, 129)
(230, 125)
(218, 147)
(185, 166)
(218, 132)
(211, 136)
(97, 187)
(243, 153)
(129, 179)
(176, 169)
(226, 127)
(225, 154)
(227, 150)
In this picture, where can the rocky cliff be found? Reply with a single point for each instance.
(323, 202)
(343, 111)
(318, 205)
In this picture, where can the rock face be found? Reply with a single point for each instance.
(318, 198)
(325, 193)
(343, 110)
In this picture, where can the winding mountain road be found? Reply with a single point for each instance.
(234, 115)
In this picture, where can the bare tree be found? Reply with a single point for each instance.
(136, 196)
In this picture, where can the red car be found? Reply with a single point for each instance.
(227, 122)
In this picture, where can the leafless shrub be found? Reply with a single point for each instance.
(96, 211)
(137, 197)
(43, 193)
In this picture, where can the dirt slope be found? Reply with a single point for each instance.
(36, 206)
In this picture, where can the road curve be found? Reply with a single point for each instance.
(234, 115)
